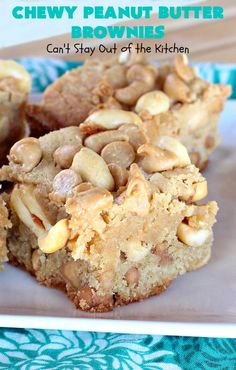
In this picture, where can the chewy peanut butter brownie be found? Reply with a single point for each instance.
(15, 84)
(104, 215)
(172, 100)
(4, 225)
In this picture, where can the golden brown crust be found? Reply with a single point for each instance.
(4, 225)
(95, 304)
(154, 291)
(109, 303)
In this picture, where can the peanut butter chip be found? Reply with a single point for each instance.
(27, 153)
(64, 155)
(56, 238)
(120, 153)
(92, 168)
(119, 174)
(97, 141)
(65, 181)
(132, 276)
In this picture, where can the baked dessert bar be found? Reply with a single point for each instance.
(70, 99)
(104, 215)
(4, 225)
(172, 100)
(15, 85)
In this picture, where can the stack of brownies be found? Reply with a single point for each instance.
(101, 190)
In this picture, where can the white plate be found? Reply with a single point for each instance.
(201, 303)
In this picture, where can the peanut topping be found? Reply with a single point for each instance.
(134, 133)
(198, 86)
(130, 58)
(140, 72)
(64, 155)
(119, 174)
(156, 159)
(183, 70)
(137, 194)
(97, 141)
(9, 68)
(118, 152)
(56, 238)
(64, 183)
(93, 168)
(192, 237)
(154, 102)
(141, 79)
(132, 276)
(116, 76)
(84, 186)
(200, 191)
(95, 199)
(174, 146)
(27, 194)
(177, 90)
(130, 94)
(27, 153)
(29, 211)
(109, 119)
(124, 57)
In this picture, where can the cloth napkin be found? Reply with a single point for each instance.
(53, 349)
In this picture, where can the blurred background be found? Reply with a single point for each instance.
(208, 40)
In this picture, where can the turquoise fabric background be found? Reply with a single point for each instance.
(51, 349)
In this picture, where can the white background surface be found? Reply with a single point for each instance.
(200, 303)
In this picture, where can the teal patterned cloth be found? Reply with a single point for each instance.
(51, 349)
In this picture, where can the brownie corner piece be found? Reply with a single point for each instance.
(15, 85)
(104, 215)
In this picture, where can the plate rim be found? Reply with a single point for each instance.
(170, 328)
